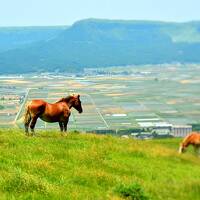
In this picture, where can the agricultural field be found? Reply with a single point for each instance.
(112, 101)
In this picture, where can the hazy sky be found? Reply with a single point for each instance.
(65, 12)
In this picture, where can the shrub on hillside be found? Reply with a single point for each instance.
(133, 191)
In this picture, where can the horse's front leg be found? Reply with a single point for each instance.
(197, 150)
(65, 124)
(61, 126)
(33, 122)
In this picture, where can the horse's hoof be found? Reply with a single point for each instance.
(26, 133)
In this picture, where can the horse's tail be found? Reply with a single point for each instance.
(27, 115)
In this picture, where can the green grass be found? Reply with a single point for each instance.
(80, 166)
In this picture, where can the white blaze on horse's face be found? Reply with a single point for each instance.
(180, 149)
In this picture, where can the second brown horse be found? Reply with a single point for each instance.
(191, 139)
(56, 112)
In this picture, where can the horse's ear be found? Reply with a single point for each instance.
(78, 95)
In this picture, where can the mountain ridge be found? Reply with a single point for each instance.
(103, 43)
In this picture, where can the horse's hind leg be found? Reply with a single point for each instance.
(33, 122)
(26, 126)
(27, 120)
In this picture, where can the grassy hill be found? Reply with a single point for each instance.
(95, 42)
(80, 166)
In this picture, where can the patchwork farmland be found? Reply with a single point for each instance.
(110, 102)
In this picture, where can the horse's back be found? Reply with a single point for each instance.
(36, 106)
(195, 137)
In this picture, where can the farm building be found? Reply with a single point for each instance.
(181, 130)
(175, 130)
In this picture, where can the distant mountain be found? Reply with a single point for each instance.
(17, 37)
(97, 43)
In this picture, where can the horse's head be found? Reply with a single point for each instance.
(77, 103)
(182, 148)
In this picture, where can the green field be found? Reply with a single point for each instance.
(88, 166)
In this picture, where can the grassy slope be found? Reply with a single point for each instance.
(82, 166)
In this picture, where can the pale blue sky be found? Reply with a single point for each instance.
(65, 12)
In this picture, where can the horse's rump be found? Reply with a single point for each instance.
(37, 107)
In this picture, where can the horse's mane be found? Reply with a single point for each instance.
(65, 99)
(186, 138)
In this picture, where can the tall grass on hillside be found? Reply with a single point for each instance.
(80, 166)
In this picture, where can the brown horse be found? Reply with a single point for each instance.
(56, 112)
(191, 139)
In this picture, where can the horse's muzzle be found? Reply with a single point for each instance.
(80, 110)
